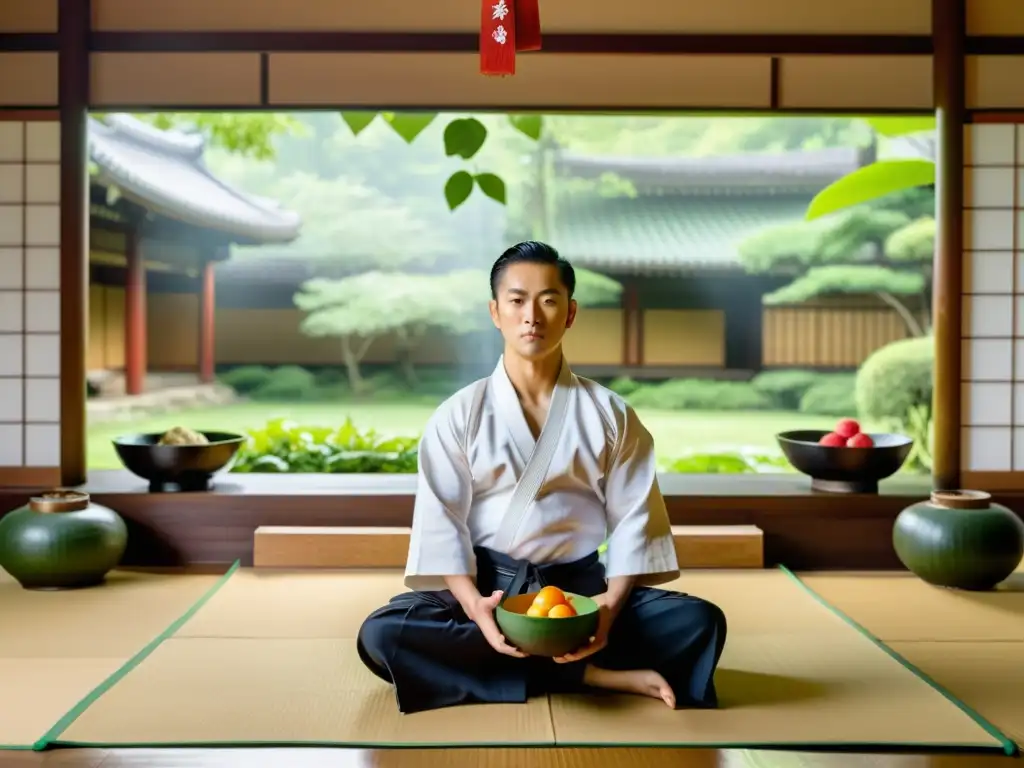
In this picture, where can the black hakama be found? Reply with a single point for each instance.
(424, 644)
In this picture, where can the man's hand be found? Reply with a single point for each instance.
(605, 618)
(482, 614)
(609, 603)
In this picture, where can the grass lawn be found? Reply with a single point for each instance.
(675, 432)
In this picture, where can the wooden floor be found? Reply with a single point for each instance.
(484, 758)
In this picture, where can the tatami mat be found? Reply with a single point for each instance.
(113, 620)
(280, 604)
(312, 604)
(989, 676)
(35, 693)
(914, 610)
(285, 692)
(56, 647)
(270, 660)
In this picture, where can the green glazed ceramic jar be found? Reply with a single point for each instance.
(61, 540)
(959, 539)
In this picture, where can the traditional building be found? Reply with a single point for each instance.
(156, 209)
(669, 230)
(689, 307)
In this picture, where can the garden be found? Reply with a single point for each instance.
(871, 232)
(299, 420)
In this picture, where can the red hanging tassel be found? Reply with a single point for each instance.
(507, 26)
(527, 25)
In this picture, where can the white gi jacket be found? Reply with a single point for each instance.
(590, 476)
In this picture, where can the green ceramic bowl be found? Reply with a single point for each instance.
(546, 637)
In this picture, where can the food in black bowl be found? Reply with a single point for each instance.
(845, 460)
(179, 459)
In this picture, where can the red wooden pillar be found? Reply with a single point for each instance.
(135, 325)
(207, 311)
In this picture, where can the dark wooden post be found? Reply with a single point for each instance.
(135, 321)
(74, 19)
(632, 326)
(948, 31)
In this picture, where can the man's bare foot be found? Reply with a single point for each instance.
(645, 682)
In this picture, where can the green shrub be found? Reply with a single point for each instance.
(700, 395)
(331, 378)
(786, 387)
(287, 448)
(726, 463)
(287, 383)
(387, 385)
(246, 379)
(624, 386)
(284, 447)
(831, 395)
(894, 388)
(896, 378)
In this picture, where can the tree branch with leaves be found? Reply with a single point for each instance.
(463, 137)
(862, 251)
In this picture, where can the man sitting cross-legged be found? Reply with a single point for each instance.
(522, 476)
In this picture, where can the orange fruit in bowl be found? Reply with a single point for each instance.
(561, 611)
(522, 619)
(548, 598)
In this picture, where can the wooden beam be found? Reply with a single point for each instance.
(135, 320)
(949, 23)
(644, 44)
(632, 325)
(73, 93)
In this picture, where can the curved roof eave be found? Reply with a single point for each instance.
(163, 171)
(797, 170)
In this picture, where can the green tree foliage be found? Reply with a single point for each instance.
(343, 220)
(878, 248)
(464, 137)
(248, 134)
(880, 179)
(701, 136)
(361, 309)
(596, 290)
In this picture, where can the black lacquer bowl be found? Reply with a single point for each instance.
(178, 467)
(841, 469)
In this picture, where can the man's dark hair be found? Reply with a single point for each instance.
(532, 252)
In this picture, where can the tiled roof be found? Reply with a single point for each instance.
(689, 213)
(164, 172)
(665, 234)
(804, 170)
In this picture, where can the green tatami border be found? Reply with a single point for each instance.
(1009, 745)
(51, 736)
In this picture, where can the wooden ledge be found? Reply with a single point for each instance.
(281, 546)
(802, 529)
(783, 485)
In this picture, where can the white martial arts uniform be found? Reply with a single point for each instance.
(601, 484)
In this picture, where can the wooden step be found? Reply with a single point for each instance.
(697, 546)
(719, 546)
(285, 546)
